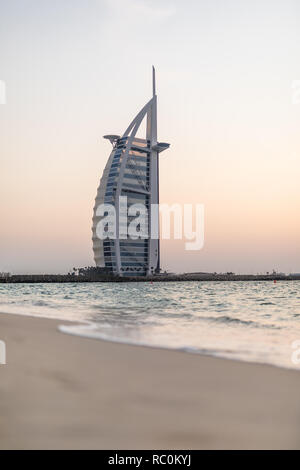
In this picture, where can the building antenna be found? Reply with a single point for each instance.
(153, 80)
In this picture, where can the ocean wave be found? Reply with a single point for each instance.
(91, 331)
(232, 320)
(267, 303)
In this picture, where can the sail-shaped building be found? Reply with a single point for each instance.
(132, 171)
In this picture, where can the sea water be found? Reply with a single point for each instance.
(248, 321)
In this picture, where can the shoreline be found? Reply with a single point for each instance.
(183, 350)
(205, 277)
(64, 324)
(63, 391)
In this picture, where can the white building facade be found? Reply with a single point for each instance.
(131, 172)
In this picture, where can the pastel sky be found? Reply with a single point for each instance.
(76, 70)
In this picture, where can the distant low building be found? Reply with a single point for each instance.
(4, 275)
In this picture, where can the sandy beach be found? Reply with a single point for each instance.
(66, 392)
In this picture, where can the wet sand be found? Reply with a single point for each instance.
(66, 392)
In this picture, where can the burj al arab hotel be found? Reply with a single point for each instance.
(132, 170)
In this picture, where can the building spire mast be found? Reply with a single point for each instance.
(153, 80)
